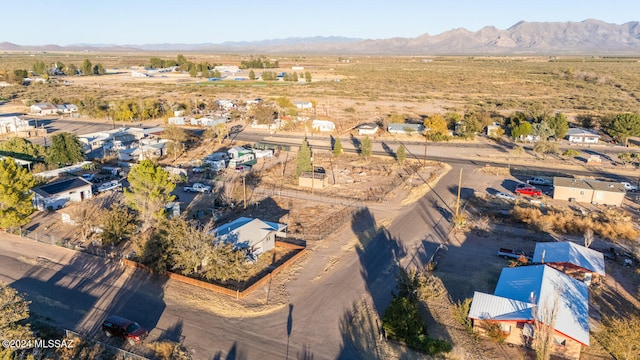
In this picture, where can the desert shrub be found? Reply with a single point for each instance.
(169, 350)
(620, 336)
(494, 332)
(570, 153)
(460, 312)
(611, 224)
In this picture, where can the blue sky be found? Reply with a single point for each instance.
(66, 22)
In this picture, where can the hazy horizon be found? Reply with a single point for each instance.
(200, 21)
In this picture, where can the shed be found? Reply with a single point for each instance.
(323, 125)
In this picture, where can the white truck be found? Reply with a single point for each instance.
(539, 181)
(197, 187)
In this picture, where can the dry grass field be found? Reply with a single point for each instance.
(360, 89)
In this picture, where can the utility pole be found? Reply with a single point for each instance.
(426, 139)
(244, 191)
(313, 174)
(458, 200)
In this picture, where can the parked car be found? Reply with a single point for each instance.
(629, 187)
(119, 327)
(109, 185)
(539, 181)
(505, 196)
(242, 168)
(530, 191)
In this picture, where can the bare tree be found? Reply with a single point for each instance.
(588, 237)
(544, 317)
(86, 216)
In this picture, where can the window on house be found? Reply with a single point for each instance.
(559, 341)
(581, 192)
(506, 328)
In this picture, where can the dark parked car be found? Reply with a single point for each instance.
(131, 331)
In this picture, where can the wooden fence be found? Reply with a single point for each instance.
(221, 289)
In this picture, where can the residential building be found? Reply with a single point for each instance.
(55, 195)
(406, 129)
(577, 261)
(582, 136)
(14, 125)
(367, 129)
(255, 235)
(44, 109)
(588, 191)
(303, 104)
(525, 295)
(323, 125)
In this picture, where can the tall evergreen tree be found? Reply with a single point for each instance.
(65, 149)
(624, 125)
(149, 190)
(337, 148)
(15, 197)
(401, 154)
(303, 159)
(366, 148)
(87, 67)
(559, 125)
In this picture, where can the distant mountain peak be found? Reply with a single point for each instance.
(587, 37)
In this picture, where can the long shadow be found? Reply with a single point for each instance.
(389, 151)
(233, 354)
(80, 293)
(379, 254)
(356, 143)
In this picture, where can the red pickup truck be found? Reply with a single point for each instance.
(529, 190)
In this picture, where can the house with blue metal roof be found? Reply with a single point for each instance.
(528, 299)
(575, 260)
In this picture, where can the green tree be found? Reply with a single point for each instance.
(98, 69)
(303, 158)
(19, 75)
(117, 223)
(149, 191)
(22, 146)
(337, 147)
(624, 125)
(71, 70)
(39, 68)
(366, 148)
(65, 149)
(14, 310)
(559, 124)
(15, 197)
(521, 130)
(252, 75)
(307, 77)
(542, 131)
(401, 154)
(191, 247)
(87, 67)
(620, 336)
(226, 263)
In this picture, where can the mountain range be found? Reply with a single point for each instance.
(588, 37)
